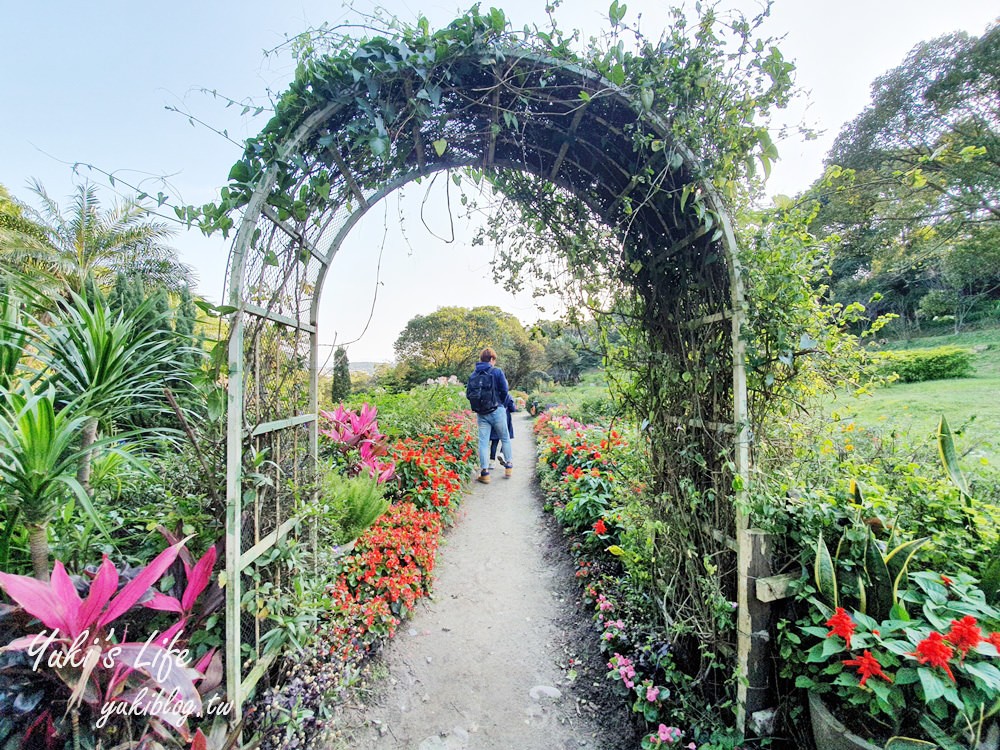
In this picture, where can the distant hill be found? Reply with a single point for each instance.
(366, 367)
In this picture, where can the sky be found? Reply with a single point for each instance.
(99, 83)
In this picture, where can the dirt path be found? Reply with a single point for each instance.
(503, 657)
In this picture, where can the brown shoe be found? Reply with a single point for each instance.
(508, 470)
(483, 477)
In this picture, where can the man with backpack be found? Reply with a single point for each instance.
(487, 393)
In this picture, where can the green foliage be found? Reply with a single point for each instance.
(88, 242)
(415, 411)
(920, 195)
(916, 365)
(931, 673)
(346, 506)
(902, 493)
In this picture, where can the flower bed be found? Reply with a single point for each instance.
(378, 583)
(580, 471)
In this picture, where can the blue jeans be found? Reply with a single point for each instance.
(495, 420)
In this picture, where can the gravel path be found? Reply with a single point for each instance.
(503, 657)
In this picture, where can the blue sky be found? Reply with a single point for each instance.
(90, 82)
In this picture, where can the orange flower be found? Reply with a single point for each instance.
(936, 651)
(868, 666)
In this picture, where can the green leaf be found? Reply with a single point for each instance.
(882, 585)
(898, 560)
(946, 448)
(616, 12)
(440, 146)
(615, 550)
(585, 96)
(824, 573)
(856, 493)
(240, 172)
(906, 743)
(933, 685)
(986, 672)
(617, 75)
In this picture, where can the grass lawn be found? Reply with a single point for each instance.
(971, 405)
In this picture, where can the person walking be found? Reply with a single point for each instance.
(487, 392)
(495, 436)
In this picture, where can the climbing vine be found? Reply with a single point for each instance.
(617, 164)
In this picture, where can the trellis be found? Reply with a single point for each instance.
(341, 142)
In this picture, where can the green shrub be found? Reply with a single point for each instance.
(347, 506)
(413, 412)
(917, 365)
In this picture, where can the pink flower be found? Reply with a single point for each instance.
(652, 693)
(669, 735)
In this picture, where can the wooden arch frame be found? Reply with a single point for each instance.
(503, 110)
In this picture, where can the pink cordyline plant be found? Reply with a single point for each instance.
(79, 643)
(383, 471)
(353, 429)
(359, 431)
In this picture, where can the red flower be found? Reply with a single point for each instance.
(964, 634)
(994, 638)
(868, 666)
(946, 580)
(600, 529)
(936, 651)
(841, 624)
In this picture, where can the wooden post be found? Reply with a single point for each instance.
(753, 627)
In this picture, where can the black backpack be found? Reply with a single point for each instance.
(481, 390)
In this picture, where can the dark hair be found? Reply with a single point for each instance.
(487, 354)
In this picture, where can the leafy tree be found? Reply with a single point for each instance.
(448, 342)
(39, 455)
(340, 387)
(107, 365)
(914, 176)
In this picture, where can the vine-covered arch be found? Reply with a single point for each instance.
(373, 116)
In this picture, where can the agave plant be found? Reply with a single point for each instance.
(12, 337)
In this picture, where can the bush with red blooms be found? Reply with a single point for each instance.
(391, 565)
(931, 672)
(431, 468)
(578, 473)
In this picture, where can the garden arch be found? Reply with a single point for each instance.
(355, 126)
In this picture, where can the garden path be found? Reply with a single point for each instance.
(503, 657)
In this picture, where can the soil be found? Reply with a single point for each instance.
(503, 656)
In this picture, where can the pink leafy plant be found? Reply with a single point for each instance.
(78, 642)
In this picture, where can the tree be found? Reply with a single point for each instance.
(448, 342)
(340, 387)
(87, 242)
(914, 175)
